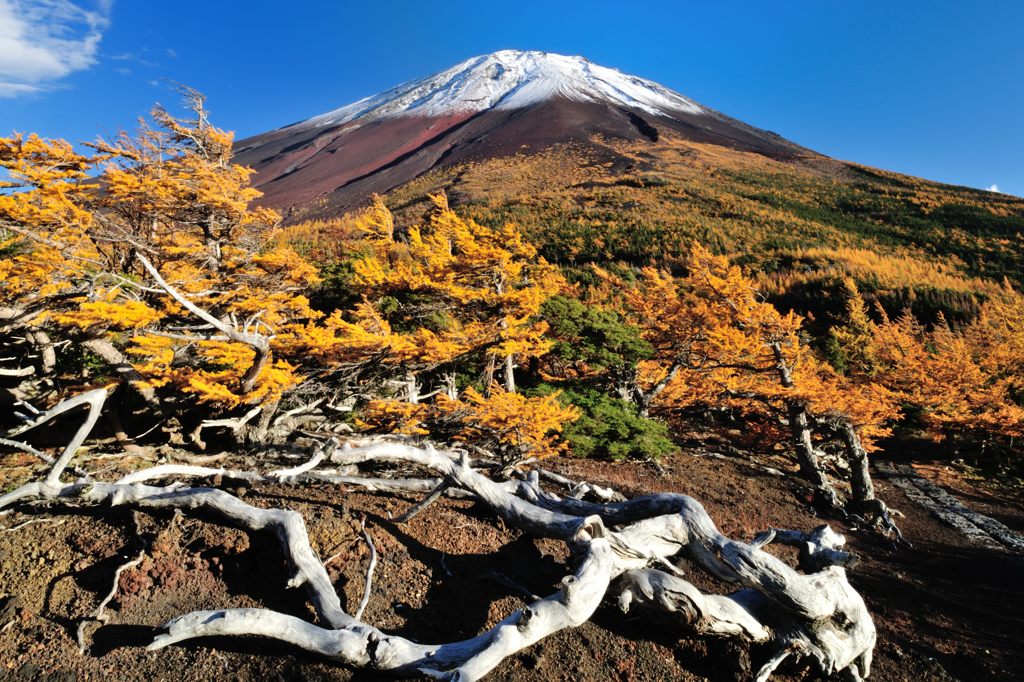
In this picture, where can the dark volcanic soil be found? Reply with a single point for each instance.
(329, 170)
(945, 610)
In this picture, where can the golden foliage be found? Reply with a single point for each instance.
(879, 270)
(717, 342)
(966, 382)
(510, 424)
(526, 426)
(43, 225)
(488, 283)
(170, 193)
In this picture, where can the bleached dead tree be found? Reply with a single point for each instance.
(623, 551)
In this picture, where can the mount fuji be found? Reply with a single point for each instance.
(496, 105)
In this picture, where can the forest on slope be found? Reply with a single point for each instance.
(838, 244)
(798, 226)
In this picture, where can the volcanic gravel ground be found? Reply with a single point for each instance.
(944, 609)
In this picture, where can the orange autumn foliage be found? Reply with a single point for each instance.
(170, 194)
(511, 425)
(487, 283)
(966, 383)
(44, 225)
(717, 342)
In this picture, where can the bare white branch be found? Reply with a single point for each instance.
(369, 571)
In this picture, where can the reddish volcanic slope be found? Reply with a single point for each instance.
(497, 105)
(294, 167)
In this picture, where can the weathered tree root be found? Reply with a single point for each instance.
(100, 615)
(814, 614)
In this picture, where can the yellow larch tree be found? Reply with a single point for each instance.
(176, 213)
(965, 384)
(48, 256)
(461, 292)
(512, 426)
(488, 284)
(717, 342)
(158, 264)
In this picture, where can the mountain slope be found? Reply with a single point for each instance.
(486, 107)
(800, 225)
(598, 166)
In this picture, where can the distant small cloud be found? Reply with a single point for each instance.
(172, 53)
(993, 188)
(17, 89)
(42, 41)
(123, 71)
(133, 57)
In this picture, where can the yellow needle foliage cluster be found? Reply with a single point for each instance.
(489, 283)
(43, 225)
(718, 343)
(481, 289)
(151, 251)
(510, 424)
(964, 383)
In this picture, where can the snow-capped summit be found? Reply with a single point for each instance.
(512, 79)
(498, 105)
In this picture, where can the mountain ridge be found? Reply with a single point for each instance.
(598, 181)
(484, 107)
(512, 79)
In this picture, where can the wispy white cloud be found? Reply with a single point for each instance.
(993, 188)
(42, 41)
(172, 53)
(136, 57)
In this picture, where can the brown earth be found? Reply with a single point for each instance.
(977, 491)
(944, 609)
(328, 170)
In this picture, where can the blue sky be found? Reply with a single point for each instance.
(932, 88)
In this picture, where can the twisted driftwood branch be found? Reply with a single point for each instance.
(620, 548)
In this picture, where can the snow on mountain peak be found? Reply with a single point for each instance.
(512, 79)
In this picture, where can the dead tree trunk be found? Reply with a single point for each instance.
(451, 388)
(619, 548)
(259, 361)
(510, 374)
(627, 387)
(803, 443)
(860, 476)
(862, 488)
(47, 355)
(412, 388)
(116, 359)
(807, 457)
(257, 434)
(487, 377)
